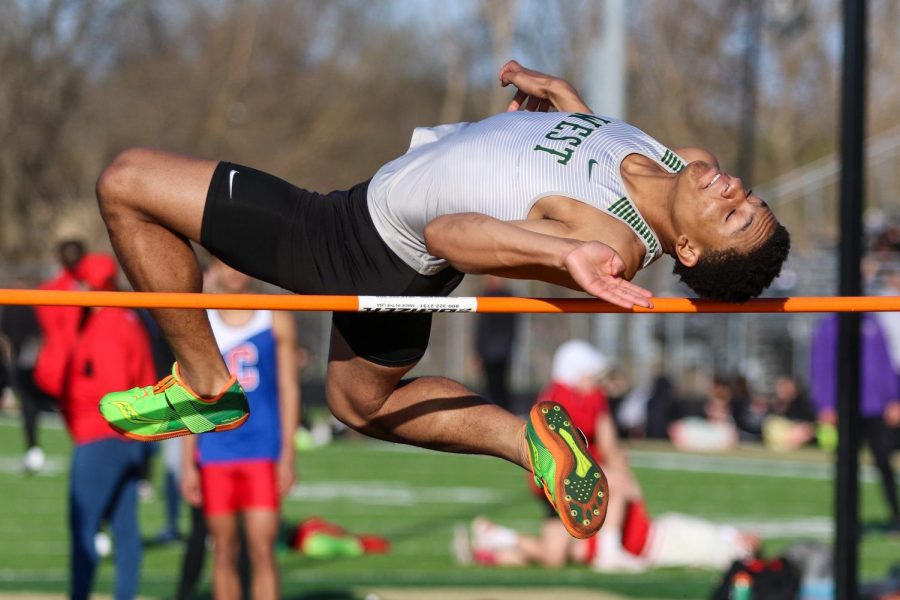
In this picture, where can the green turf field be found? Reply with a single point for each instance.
(416, 497)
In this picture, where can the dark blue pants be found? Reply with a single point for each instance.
(103, 487)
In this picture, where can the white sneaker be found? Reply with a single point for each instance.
(102, 544)
(34, 460)
(146, 491)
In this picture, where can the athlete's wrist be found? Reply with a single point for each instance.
(567, 247)
(565, 97)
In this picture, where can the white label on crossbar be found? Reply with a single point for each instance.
(403, 304)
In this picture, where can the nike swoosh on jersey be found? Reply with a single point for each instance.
(591, 164)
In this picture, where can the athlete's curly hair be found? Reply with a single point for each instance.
(733, 277)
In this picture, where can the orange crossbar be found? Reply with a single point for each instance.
(809, 304)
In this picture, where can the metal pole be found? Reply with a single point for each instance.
(605, 84)
(606, 69)
(846, 555)
(753, 33)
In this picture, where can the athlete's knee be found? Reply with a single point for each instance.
(119, 181)
(261, 551)
(341, 403)
(225, 548)
(352, 406)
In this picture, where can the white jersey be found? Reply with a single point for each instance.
(500, 167)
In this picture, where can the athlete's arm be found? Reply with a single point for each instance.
(532, 249)
(537, 92)
(284, 330)
(190, 473)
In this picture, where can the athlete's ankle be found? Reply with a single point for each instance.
(205, 383)
(522, 449)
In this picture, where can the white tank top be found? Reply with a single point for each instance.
(228, 336)
(500, 167)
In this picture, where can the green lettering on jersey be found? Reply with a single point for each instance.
(571, 133)
(592, 119)
(563, 156)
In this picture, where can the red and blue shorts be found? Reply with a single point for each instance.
(233, 487)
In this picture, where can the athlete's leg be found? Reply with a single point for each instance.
(261, 527)
(89, 487)
(123, 521)
(431, 412)
(226, 540)
(437, 413)
(194, 555)
(880, 440)
(618, 503)
(152, 203)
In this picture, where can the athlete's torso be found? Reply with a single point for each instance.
(500, 167)
(249, 351)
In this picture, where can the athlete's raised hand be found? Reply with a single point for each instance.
(538, 92)
(598, 269)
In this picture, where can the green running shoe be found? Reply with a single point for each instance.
(170, 409)
(562, 465)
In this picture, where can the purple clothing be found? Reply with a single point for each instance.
(879, 384)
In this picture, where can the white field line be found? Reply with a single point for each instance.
(392, 493)
(648, 459)
(731, 465)
(12, 465)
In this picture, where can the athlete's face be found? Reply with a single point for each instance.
(713, 211)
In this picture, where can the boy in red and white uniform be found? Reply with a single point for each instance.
(245, 472)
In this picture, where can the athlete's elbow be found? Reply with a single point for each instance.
(438, 237)
(447, 237)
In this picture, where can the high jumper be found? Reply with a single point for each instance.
(566, 197)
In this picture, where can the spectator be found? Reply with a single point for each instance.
(789, 401)
(109, 350)
(59, 324)
(19, 326)
(879, 395)
(890, 321)
(670, 540)
(245, 471)
(791, 417)
(575, 385)
(662, 408)
(715, 430)
(494, 336)
(748, 410)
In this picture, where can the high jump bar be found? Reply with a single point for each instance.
(398, 304)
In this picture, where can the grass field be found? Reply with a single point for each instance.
(416, 497)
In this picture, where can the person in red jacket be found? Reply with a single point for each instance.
(59, 324)
(110, 349)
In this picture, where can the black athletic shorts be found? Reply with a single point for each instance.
(312, 243)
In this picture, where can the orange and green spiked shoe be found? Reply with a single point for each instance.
(171, 409)
(562, 465)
